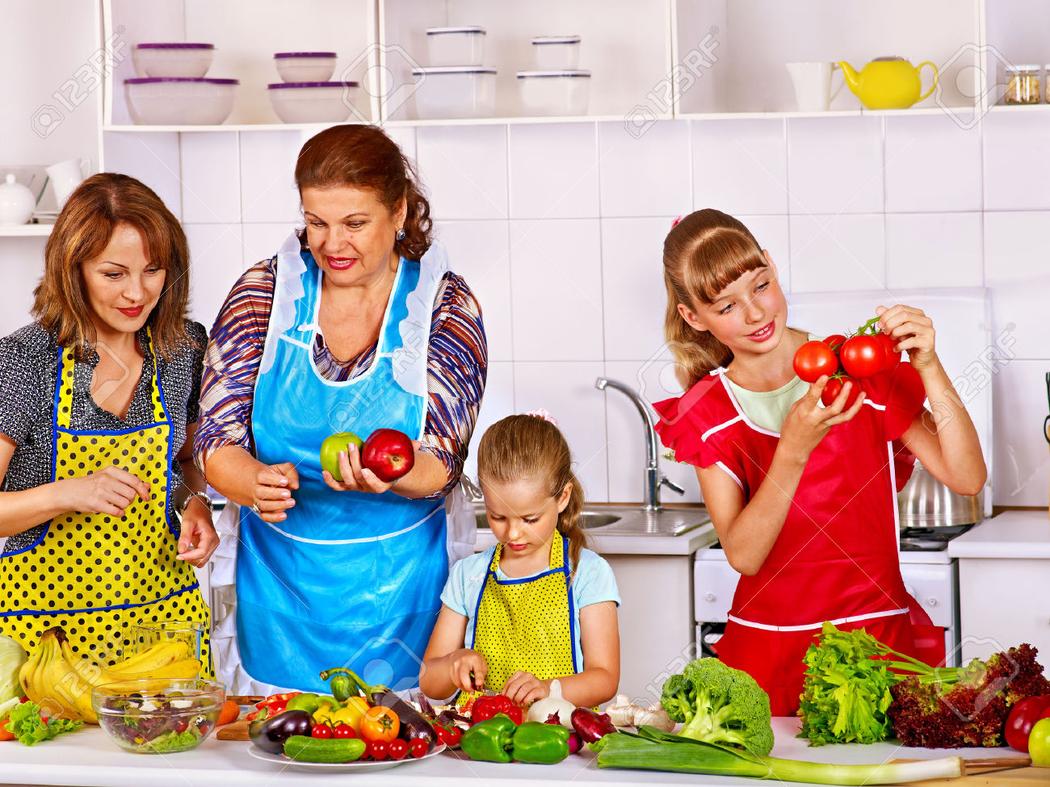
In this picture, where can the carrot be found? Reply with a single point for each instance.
(230, 711)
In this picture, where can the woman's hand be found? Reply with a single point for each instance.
(524, 688)
(272, 494)
(198, 538)
(467, 669)
(807, 421)
(913, 332)
(357, 478)
(108, 491)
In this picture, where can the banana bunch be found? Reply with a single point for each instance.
(60, 681)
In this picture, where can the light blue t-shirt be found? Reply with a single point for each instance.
(594, 582)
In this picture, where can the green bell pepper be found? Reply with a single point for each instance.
(489, 740)
(541, 744)
(308, 702)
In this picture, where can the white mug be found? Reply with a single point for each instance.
(813, 85)
(65, 176)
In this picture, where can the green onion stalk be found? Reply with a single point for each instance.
(654, 750)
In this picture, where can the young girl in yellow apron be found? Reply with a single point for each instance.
(539, 605)
(76, 552)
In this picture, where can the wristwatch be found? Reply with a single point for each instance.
(200, 496)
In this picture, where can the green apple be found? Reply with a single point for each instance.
(1039, 743)
(332, 446)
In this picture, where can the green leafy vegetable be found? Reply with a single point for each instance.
(719, 704)
(25, 723)
(654, 750)
(174, 741)
(11, 659)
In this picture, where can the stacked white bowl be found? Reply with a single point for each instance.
(307, 94)
(455, 84)
(171, 87)
(556, 85)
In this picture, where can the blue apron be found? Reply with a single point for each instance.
(348, 579)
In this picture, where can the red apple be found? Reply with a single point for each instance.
(388, 453)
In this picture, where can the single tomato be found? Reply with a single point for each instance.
(343, 731)
(836, 384)
(331, 448)
(419, 747)
(377, 750)
(1023, 717)
(889, 345)
(380, 724)
(862, 356)
(1039, 744)
(835, 341)
(814, 359)
(397, 749)
(321, 731)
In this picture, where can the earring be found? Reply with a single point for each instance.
(401, 234)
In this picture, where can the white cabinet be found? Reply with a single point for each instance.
(1004, 602)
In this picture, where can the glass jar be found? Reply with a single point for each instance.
(1022, 85)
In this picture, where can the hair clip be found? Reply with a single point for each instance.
(543, 415)
(676, 222)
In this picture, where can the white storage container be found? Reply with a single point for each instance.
(554, 92)
(456, 46)
(172, 59)
(552, 53)
(305, 66)
(312, 102)
(179, 101)
(455, 92)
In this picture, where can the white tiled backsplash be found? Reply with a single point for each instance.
(559, 230)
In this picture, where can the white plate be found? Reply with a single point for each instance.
(286, 762)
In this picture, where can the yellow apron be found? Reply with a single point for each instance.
(527, 624)
(95, 575)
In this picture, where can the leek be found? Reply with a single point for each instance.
(654, 750)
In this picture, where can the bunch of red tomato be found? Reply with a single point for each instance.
(866, 353)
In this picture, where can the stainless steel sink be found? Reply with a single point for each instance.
(588, 519)
(632, 521)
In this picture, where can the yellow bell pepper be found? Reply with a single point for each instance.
(351, 713)
(324, 713)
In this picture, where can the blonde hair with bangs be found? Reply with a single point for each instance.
(704, 253)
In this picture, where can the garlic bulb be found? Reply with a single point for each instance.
(541, 710)
(653, 716)
(621, 711)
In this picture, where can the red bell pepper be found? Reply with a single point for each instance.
(486, 707)
(271, 706)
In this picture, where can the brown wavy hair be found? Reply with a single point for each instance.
(364, 157)
(703, 253)
(525, 446)
(82, 232)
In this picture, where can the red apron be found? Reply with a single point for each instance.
(836, 556)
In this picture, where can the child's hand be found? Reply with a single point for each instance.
(524, 688)
(807, 421)
(464, 661)
(912, 330)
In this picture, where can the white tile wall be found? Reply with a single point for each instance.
(559, 230)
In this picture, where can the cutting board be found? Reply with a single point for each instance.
(234, 731)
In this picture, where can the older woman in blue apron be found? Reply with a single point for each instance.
(356, 324)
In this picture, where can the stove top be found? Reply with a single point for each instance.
(929, 539)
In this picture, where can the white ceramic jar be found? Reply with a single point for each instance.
(556, 53)
(16, 202)
(455, 92)
(456, 46)
(562, 92)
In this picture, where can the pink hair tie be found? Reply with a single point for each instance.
(543, 414)
(676, 222)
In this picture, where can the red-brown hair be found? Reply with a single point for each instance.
(364, 157)
(82, 232)
(703, 254)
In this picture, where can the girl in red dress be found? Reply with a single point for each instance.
(802, 496)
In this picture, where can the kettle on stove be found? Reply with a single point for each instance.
(927, 503)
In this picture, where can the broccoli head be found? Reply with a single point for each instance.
(719, 704)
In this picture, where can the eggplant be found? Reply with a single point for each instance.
(270, 734)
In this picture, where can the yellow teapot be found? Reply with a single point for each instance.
(888, 82)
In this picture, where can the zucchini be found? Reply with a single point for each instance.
(302, 748)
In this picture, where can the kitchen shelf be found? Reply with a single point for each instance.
(132, 128)
(26, 231)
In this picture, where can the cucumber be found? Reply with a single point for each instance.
(302, 748)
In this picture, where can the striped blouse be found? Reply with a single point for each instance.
(457, 363)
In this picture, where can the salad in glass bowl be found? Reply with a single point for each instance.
(158, 716)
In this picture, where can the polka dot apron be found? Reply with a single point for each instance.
(96, 575)
(527, 624)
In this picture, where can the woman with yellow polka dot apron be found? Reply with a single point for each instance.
(99, 405)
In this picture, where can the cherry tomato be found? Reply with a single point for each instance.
(377, 750)
(835, 341)
(1023, 717)
(418, 747)
(814, 359)
(380, 724)
(889, 344)
(321, 731)
(397, 749)
(862, 356)
(343, 731)
(450, 736)
(834, 385)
